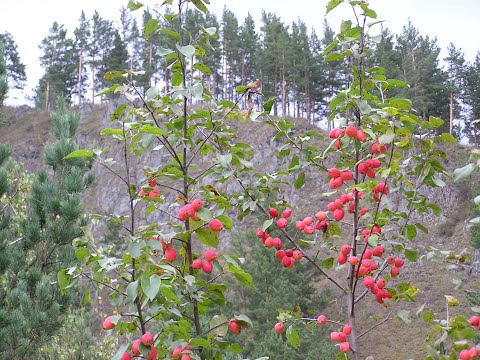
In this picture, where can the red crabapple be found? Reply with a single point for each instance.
(279, 327)
(215, 225)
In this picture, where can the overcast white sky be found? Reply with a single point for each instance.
(29, 21)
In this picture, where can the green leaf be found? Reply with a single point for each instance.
(151, 129)
(208, 237)
(202, 68)
(300, 181)
(464, 172)
(292, 337)
(164, 51)
(234, 268)
(177, 78)
(266, 224)
(80, 153)
(411, 255)
(118, 112)
(404, 315)
(267, 106)
(328, 263)
(171, 33)
(82, 253)
(135, 248)
(188, 51)
(199, 342)
(132, 291)
(150, 285)
(435, 122)
(330, 47)
(244, 320)
(219, 325)
(428, 317)
(113, 74)
(410, 232)
(200, 5)
(150, 27)
(112, 131)
(134, 5)
(332, 4)
(63, 279)
(386, 138)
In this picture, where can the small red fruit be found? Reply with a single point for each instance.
(335, 336)
(186, 357)
(321, 215)
(335, 133)
(394, 272)
(378, 251)
(361, 136)
(273, 212)
(287, 213)
(135, 347)
(369, 282)
(338, 204)
(289, 252)
(207, 267)
(309, 230)
(338, 214)
(342, 259)
(353, 260)
(182, 214)
(280, 254)
(176, 352)
(475, 320)
(345, 249)
(197, 264)
(344, 347)
(269, 242)
(347, 175)
(347, 329)
(351, 131)
(368, 254)
(398, 262)
(210, 255)
(464, 355)
(126, 356)
(299, 225)
(277, 243)
(297, 255)
(260, 233)
(108, 324)
(308, 221)
(170, 254)
(282, 223)
(215, 225)
(279, 327)
(473, 351)
(287, 261)
(391, 260)
(147, 339)
(381, 283)
(154, 194)
(335, 183)
(322, 320)
(234, 326)
(153, 353)
(197, 204)
(334, 173)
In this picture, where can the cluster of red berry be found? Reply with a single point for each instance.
(149, 190)
(209, 256)
(179, 350)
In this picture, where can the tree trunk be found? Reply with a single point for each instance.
(451, 112)
(284, 87)
(79, 84)
(93, 84)
(47, 97)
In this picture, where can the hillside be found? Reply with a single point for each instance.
(27, 130)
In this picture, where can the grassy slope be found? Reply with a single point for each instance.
(27, 131)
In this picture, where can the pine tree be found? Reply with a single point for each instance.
(32, 304)
(230, 47)
(117, 59)
(82, 33)
(333, 78)
(419, 67)
(456, 70)
(15, 69)
(248, 45)
(59, 62)
(3, 80)
(261, 303)
(472, 99)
